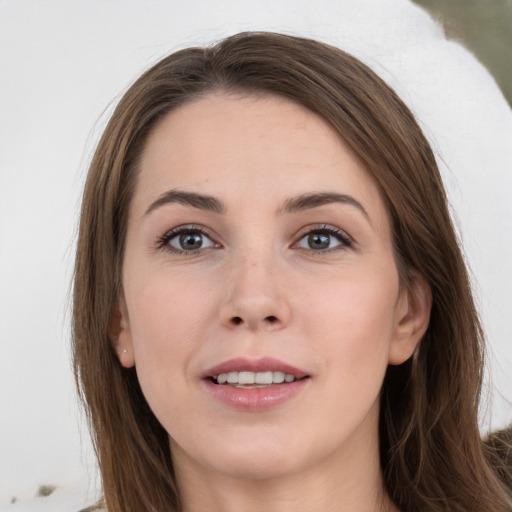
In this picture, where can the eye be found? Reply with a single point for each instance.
(324, 239)
(186, 240)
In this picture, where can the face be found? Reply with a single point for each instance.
(261, 298)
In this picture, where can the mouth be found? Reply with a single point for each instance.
(254, 383)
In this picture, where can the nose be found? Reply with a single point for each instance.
(256, 298)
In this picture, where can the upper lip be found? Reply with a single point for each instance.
(264, 364)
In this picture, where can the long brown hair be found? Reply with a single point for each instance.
(432, 456)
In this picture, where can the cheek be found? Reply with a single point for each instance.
(353, 322)
(166, 315)
(353, 330)
(167, 322)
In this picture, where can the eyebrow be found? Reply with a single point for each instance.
(295, 204)
(314, 200)
(200, 201)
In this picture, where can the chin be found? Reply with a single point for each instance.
(245, 456)
(262, 467)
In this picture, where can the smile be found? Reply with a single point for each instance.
(255, 385)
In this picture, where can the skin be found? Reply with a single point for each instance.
(257, 287)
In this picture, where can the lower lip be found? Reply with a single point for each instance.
(257, 399)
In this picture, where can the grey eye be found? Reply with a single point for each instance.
(318, 241)
(190, 241)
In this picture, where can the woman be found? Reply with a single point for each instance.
(271, 309)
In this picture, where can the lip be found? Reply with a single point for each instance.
(255, 399)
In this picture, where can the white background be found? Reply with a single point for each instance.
(61, 65)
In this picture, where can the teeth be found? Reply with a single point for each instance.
(263, 378)
(232, 377)
(222, 378)
(278, 377)
(247, 378)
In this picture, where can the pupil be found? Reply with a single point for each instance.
(318, 241)
(191, 241)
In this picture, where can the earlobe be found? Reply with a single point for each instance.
(120, 337)
(412, 319)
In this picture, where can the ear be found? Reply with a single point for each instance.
(120, 336)
(411, 320)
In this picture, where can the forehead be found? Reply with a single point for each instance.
(257, 148)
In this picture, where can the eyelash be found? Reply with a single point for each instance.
(346, 241)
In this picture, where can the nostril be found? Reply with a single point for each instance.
(238, 320)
